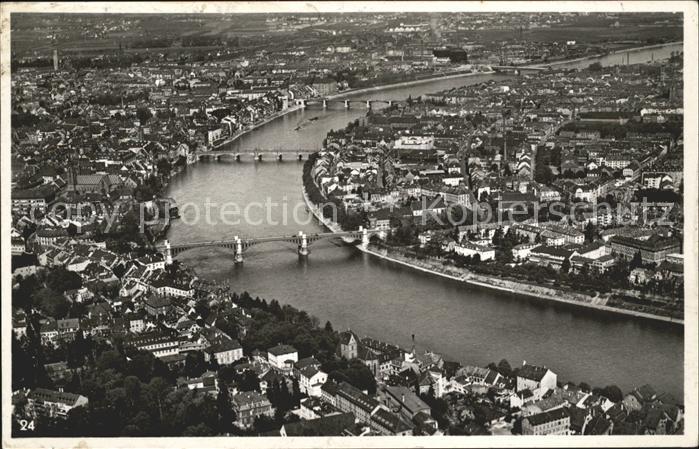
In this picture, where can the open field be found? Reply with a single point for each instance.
(92, 33)
(38, 33)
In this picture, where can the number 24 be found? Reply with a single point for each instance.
(25, 425)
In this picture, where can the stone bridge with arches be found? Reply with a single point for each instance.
(239, 244)
(347, 102)
(258, 154)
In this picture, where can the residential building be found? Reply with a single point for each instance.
(38, 199)
(53, 404)
(311, 379)
(17, 246)
(415, 143)
(349, 343)
(248, 405)
(160, 344)
(89, 183)
(225, 352)
(135, 323)
(653, 250)
(425, 205)
(332, 425)
(387, 423)
(554, 422)
(550, 256)
(158, 305)
(537, 379)
(522, 251)
(403, 400)
(468, 249)
(282, 356)
(569, 235)
(350, 399)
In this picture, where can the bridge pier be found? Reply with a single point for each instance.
(279, 156)
(300, 156)
(303, 247)
(365, 236)
(168, 253)
(347, 104)
(238, 250)
(390, 103)
(237, 157)
(325, 104)
(368, 104)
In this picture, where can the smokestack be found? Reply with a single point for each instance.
(55, 60)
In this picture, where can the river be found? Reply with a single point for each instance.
(390, 302)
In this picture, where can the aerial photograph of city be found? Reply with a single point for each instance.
(337, 224)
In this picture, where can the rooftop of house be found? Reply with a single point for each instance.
(532, 372)
(68, 323)
(357, 396)
(654, 243)
(391, 422)
(249, 399)
(45, 395)
(281, 350)
(346, 337)
(157, 302)
(309, 371)
(307, 361)
(225, 345)
(407, 398)
(547, 417)
(552, 251)
(332, 425)
(330, 388)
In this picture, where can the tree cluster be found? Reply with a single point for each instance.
(351, 371)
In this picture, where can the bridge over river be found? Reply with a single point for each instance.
(258, 154)
(238, 245)
(346, 102)
(518, 69)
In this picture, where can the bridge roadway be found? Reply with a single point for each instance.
(345, 101)
(258, 153)
(518, 69)
(239, 245)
